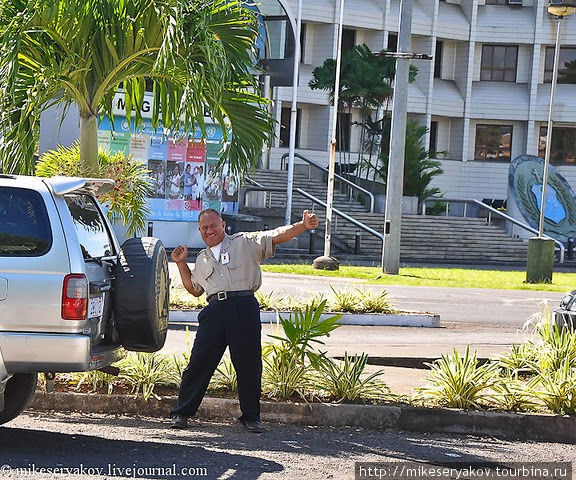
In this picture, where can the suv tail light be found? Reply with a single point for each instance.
(75, 297)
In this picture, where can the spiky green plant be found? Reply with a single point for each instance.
(97, 380)
(179, 362)
(558, 346)
(225, 377)
(458, 381)
(305, 327)
(127, 202)
(345, 300)
(312, 302)
(519, 360)
(181, 299)
(512, 395)
(270, 301)
(145, 371)
(346, 381)
(285, 373)
(375, 301)
(557, 389)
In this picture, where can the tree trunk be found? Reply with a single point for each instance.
(89, 145)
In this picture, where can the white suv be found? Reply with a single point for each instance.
(71, 299)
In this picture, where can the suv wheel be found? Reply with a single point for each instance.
(141, 291)
(18, 394)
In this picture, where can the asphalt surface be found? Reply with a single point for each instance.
(485, 307)
(98, 447)
(488, 320)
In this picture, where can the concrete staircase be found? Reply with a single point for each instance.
(427, 239)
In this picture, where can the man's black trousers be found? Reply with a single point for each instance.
(235, 323)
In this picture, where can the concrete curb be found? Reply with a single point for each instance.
(407, 319)
(509, 426)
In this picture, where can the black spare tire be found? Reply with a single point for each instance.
(141, 292)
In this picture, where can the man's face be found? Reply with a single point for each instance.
(211, 228)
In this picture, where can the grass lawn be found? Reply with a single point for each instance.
(437, 277)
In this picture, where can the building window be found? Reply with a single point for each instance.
(496, 2)
(348, 39)
(438, 59)
(566, 65)
(499, 63)
(392, 42)
(302, 42)
(433, 146)
(563, 150)
(493, 142)
(285, 127)
(343, 132)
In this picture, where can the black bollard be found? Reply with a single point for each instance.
(311, 243)
(357, 243)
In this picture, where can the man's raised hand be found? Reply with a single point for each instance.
(310, 220)
(180, 253)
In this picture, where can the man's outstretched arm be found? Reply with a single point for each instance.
(284, 234)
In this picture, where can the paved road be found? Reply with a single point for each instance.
(224, 451)
(500, 308)
(483, 307)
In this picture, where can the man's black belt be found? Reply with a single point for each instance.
(225, 295)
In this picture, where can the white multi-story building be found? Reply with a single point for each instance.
(484, 98)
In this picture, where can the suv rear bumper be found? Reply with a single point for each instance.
(45, 352)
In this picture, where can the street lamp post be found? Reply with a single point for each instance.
(293, 115)
(394, 182)
(540, 263)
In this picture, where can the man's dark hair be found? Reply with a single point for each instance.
(209, 210)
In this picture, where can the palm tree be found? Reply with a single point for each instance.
(420, 164)
(366, 80)
(196, 54)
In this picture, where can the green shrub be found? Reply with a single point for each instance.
(225, 377)
(182, 300)
(145, 371)
(304, 327)
(557, 389)
(458, 381)
(347, 381)
(519, 361)
(97, 380)
(271, 301)
(127, 202)
(510, 394)
(285, 373)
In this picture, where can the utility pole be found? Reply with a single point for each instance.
(332, 166)
(394, 184)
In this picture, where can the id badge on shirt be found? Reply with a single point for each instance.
(225, 258)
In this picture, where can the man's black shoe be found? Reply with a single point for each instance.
(179, 421)
(253, 426)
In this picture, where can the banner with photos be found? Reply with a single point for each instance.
(182, 171)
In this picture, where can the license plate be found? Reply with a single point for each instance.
(95, 307)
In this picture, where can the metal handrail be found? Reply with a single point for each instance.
(352, 220)
(254, 182)
(340, 178)
(493, 210)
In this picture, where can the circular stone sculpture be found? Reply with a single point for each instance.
(525, 197)
(326, 263)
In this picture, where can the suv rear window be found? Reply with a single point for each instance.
(24, 224)
(90, 227)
